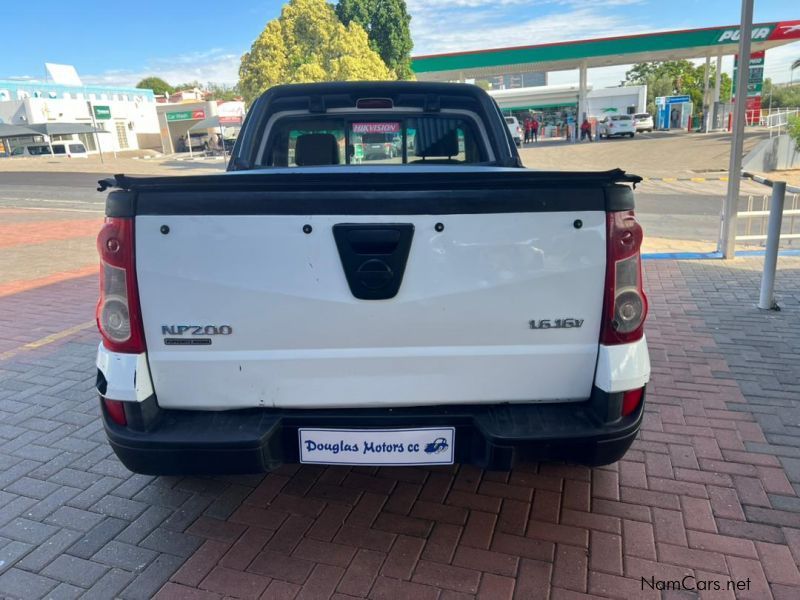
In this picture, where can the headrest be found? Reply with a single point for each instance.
(447, 145)
(313, 149)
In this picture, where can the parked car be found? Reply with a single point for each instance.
(377, 146)
(616, 125)
(452, 307)
(643, 122)
(515, 129)
(69, 149)
(31, 150)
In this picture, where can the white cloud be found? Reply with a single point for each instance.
(475, 24)
(778, 61)
(213, 65)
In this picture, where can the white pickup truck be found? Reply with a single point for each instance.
(443, 305)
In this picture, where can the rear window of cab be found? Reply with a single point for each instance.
(373, 140)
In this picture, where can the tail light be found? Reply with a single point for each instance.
(375, 103)
(116, 411)
(631, 401)
(625, 303)
(118, 313)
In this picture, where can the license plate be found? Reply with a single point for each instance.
(419, 446)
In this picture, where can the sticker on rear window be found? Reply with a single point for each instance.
(385, 127)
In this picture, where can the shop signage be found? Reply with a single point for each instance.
(755, 79)
(730, 36)
(186, 115)
(102, 113)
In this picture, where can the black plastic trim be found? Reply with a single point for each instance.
(121, 203)
(373, 257)
(385, 193)
(493, 436)
(619, 197)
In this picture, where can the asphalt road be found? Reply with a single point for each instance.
(684, 210)
(54, 191)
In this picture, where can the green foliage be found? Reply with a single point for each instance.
(158, 85)
(387, 25)
(308, 43)
(676, 77)
(215, 91)
(783, 96)
(189, 85)
(794, 131)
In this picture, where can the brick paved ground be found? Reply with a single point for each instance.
(709, 488)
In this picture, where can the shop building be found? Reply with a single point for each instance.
(176, 119)
(126, 117)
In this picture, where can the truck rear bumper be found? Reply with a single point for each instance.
(171, 442)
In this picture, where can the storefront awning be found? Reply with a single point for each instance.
(64, 128)
(215, 122)
(7, 130)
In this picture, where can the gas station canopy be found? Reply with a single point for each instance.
(623, 50)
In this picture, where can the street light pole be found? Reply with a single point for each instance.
(727, 238)
(94, 126)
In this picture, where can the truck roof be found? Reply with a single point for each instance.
(372, 97)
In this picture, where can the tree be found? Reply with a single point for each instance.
(189, 85)
(780, 96)
(158, 85)
(677, 77)
(387, 24)
(794, 131)
(215, 91)
(308, 43)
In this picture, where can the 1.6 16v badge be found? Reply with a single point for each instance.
(555, 323)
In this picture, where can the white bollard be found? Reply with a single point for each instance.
(766, 300)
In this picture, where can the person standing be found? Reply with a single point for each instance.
(535, 129)
(586, 129)
(527, 129)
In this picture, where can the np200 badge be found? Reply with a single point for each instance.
(555, 323)
(196, 330)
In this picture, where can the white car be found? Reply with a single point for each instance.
(70, 149)
(31, 150)
(616, 125)
(515, 129)
(643, 122)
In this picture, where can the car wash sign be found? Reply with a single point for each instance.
(186, 115)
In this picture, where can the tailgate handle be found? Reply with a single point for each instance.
(373, 257)
(373, 241)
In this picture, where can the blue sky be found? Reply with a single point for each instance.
(120, 42)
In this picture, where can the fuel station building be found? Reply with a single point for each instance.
(711, 43)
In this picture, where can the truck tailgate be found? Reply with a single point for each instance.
(457, 331)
